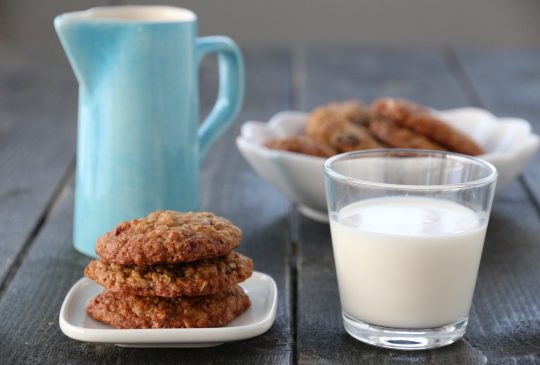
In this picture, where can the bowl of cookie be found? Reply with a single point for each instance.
(289, 150)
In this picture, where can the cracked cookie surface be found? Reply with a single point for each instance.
(169, 237)
(342, 126)
(420, 120)
(301, 144)
(131, 311)
(396, 136)
(196, 278)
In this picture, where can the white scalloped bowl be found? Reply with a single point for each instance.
(509, 143)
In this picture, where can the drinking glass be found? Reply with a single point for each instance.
(408, 228)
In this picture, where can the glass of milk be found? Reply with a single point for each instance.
(408, 227)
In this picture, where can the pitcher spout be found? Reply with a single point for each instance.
(80, 39)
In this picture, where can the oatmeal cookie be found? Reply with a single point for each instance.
(301, 144)
(352, 111)
(400, 137)
(342, 126)
(169, 237)
(340, 134)
(131, 311)
(419, 119)
(203, 277)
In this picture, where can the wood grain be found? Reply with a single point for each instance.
(339, 73)
(37, 143)
(507, 82)
(507, 307)
(505, 318)
(30, 305)
(38, 101)
(424, 76)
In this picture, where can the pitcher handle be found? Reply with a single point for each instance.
(231, 88)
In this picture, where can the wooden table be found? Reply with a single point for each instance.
(38, 264)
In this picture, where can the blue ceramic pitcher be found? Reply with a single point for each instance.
(139, 142)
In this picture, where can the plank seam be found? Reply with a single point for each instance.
(17, 262)
(457, 69)
(297, 79)
(530, 193)
(293, 282)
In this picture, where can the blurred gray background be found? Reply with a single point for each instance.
(296, 22)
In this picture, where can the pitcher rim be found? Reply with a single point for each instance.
(117, 14)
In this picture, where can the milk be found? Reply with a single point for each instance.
(407, 262)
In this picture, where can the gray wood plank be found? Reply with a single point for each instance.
(507, 82)
(37, 139)
(339, 73)
(37, 121)
(505, 318)
(424, 76)
(29, 308)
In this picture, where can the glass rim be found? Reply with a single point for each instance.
(331, 173)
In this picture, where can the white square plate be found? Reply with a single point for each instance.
(259, 317)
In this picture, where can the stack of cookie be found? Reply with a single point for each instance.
(170, 270)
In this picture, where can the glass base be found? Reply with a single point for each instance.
(405, 339)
